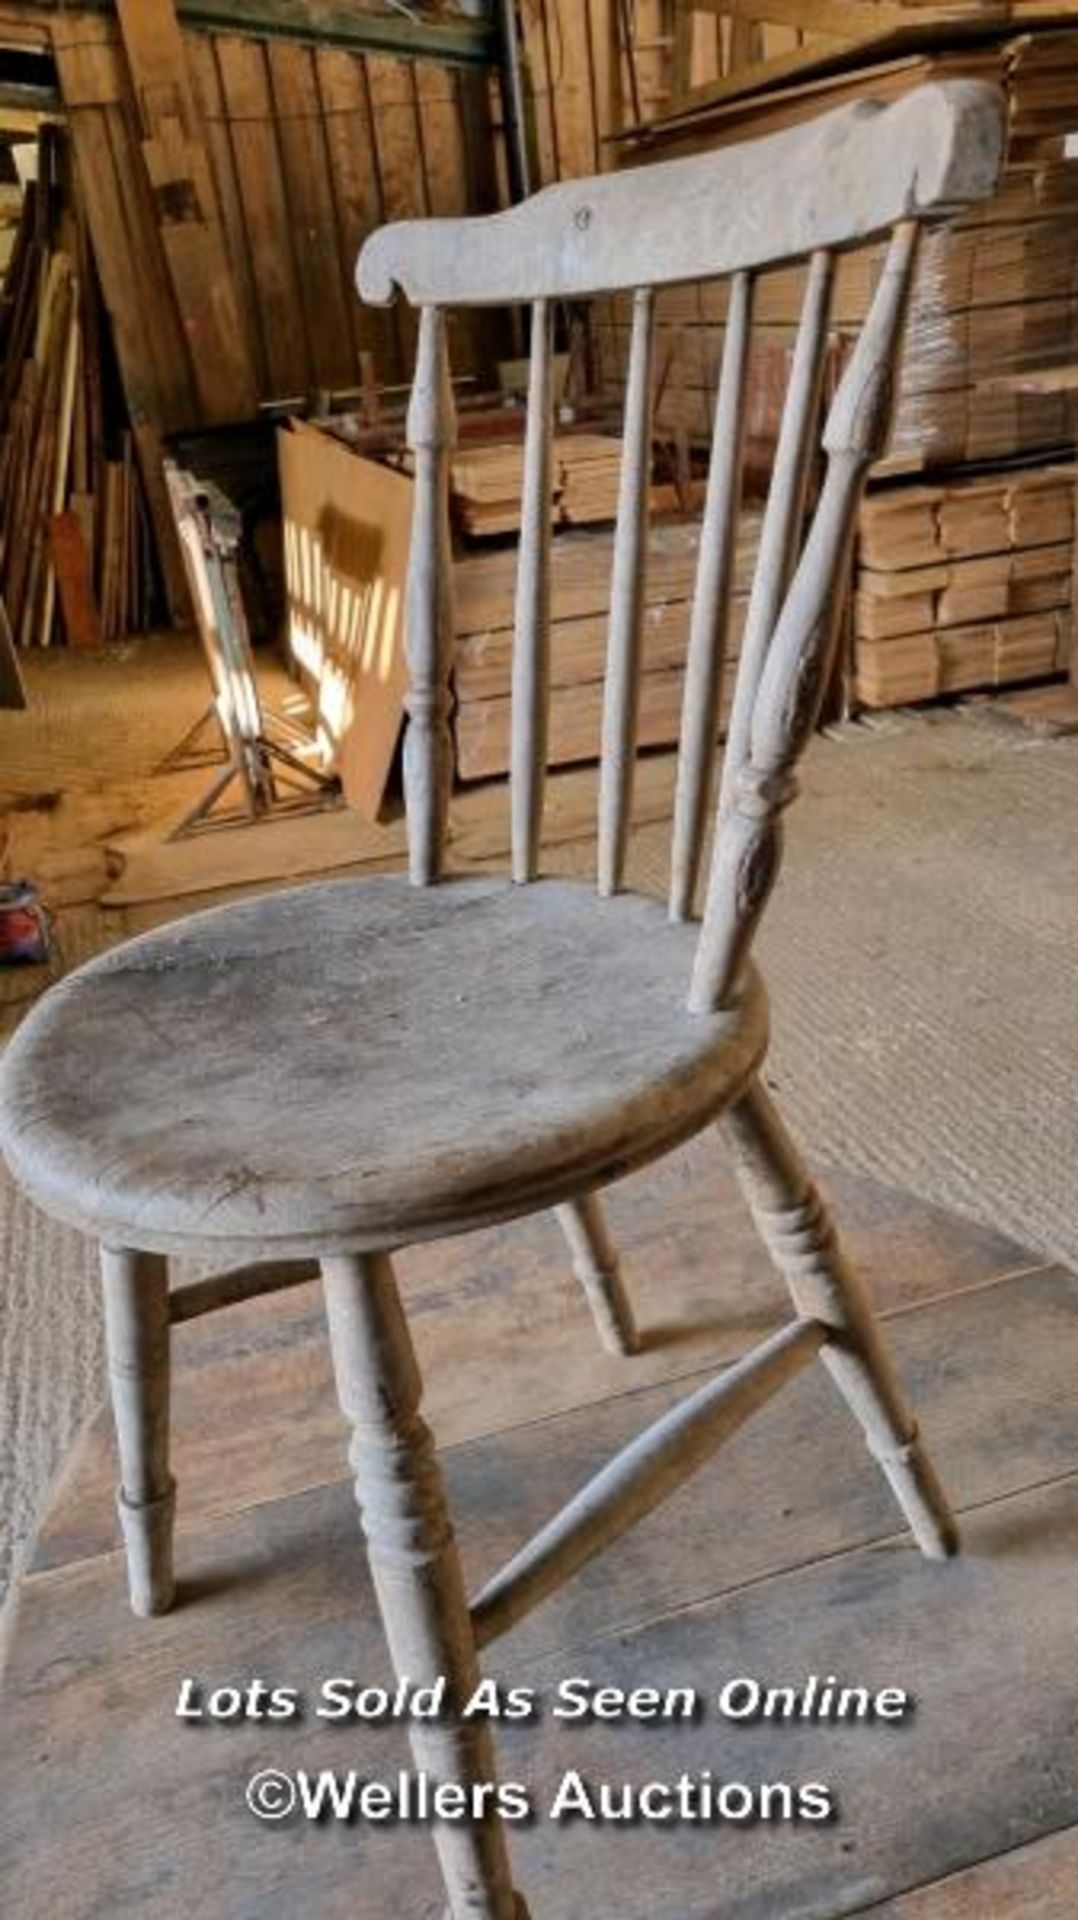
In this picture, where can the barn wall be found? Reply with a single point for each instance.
(219, 307)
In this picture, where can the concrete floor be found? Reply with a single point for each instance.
(920, 951)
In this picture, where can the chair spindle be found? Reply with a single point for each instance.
(780, 533)
(621, 696)
(748, 844)
(531, 638)
(428, 748)
(702, 700)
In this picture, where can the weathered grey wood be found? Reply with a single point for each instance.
(598, 1269)
(415, 1566)
(621, 693)
(780, 534)
(827, 183)
(226, 1289)
(428, 751)
(135, 1288)
(795, 1225)
(531, 648)
(748, 846)
(363, 1063)
(702, 1293)
(641, 1476)
(711, 607)
(457, 1056)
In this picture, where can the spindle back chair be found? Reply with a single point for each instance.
(311, 1079)
(802, 194)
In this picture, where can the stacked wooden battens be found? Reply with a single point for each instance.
(484, 589)
(995, 305)
(487, 482)
(997, 290)
(76, 552)
(963, 586)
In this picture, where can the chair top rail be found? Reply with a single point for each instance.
(831, 183)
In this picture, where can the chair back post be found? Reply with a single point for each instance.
(428, 746)
(783, 522)
(748, 844)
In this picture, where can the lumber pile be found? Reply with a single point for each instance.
(76, 553)
(997, 293)
(484, 587)
(720, 50)
(964, 585)
(963, 577)
(486, 483)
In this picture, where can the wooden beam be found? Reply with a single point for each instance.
(336, 23)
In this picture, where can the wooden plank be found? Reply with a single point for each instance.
(12, 690)
(402, 183)
(347, 525)
(921, 666)
(357, 194)
(74, 581)
(246, 94)
(201, 51)
(536, 52)
(448, 177)
(482, 728)
(185, 208)
(149, 341)
(1034, 1882)
(323, 276)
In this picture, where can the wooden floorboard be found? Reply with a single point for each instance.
(783, 1559)
(1035, 1882)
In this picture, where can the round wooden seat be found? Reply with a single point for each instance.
(363, 1063)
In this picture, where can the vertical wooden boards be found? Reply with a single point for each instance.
(357, 191)
(231, 182)
(127, 245)
(150, 343)
(565, 77)
(184, 207)
(323, 272)
(441, 107)
(206, 79)
(398, 150)
(74, 581)
(248, 103)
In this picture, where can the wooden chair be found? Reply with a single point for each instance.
(322, 1075)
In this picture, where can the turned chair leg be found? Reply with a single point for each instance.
(598, 1269)
(137, 1344)
(796, 1228)
(414, 1563)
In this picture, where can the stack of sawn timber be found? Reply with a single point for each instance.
(963, 586)
(996, 300)
(996, 292)
(487, 483)
(484, 587)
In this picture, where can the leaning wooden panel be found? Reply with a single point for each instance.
(830, 183)
(346, 523)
